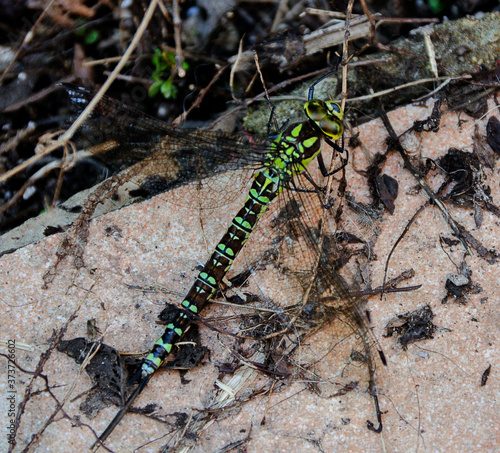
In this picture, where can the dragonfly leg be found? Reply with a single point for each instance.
(272, 124)
(340, 149)
(320, 191)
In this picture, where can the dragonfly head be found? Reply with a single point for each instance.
(327, 116)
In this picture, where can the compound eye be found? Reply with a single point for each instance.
(334, 109)
(332, 127)
(316, 110)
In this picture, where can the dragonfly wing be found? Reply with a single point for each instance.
(319, 265)
(156, 156)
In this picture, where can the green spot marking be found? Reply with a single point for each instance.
(227, 251)
(296, 130)
(166, 346)
(156, 362)
(244, 225)
(208, 279)
(263, 200)
(216, 262)
(254, 195)
(190, 306)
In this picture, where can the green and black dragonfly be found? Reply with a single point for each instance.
(169, 156)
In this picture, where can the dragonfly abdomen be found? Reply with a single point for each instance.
(263, 191)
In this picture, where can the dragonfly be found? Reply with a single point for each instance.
(277, 163)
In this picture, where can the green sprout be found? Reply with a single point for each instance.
(163, 62)
(89, 35)
(436, 6)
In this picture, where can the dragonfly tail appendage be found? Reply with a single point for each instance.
(121, 413)
(142, 376)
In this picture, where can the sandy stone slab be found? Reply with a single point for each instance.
(431, 394)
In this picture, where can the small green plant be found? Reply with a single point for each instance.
(89, 35)
(436, 6)
(163, 62)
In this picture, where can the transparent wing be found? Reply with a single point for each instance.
(156, 156)
(318, 273)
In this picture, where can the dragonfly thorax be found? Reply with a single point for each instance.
(294, 148)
